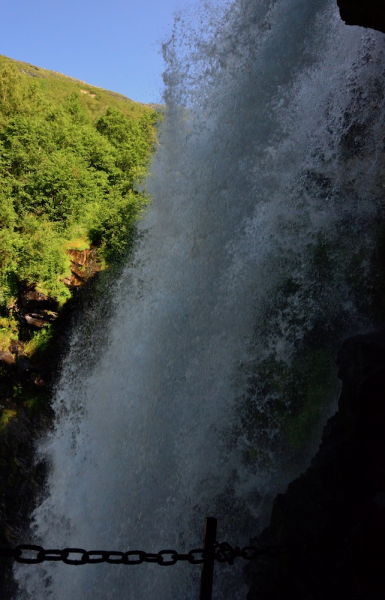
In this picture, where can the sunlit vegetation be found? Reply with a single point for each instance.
(71, 159)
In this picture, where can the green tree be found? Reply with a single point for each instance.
(11, 89)
(42, 261)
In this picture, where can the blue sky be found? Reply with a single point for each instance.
(113, 44)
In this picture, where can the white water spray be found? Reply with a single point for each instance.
(259, 161)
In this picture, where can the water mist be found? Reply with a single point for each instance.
(264, 194)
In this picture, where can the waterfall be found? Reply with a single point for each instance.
(265, 193)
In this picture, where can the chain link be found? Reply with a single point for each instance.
(31, 554)
(225, 553)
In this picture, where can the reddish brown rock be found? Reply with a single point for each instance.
(84, 265)
(7, 357)
(40, 318)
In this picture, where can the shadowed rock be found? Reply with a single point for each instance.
(36, 309)
(365, 13)
(333, 516)
(31, 299)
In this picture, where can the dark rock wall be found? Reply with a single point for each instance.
(365, 13)
(333, 516)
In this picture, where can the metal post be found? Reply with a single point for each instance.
(208, 563)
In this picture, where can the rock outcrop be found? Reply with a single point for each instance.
(84, 265)
(332, 518)
(365, 13)
(36, 309)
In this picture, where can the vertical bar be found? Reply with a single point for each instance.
(207, 576)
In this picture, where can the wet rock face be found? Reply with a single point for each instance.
(333, 516)
(365, 13)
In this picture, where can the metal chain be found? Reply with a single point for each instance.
(31, 554)
(224, 552)
(79, 556)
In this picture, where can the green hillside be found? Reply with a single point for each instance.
(71, 158)
(57, 87)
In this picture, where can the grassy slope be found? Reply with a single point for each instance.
(57, 87)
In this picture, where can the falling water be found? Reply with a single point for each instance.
(267, 154)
